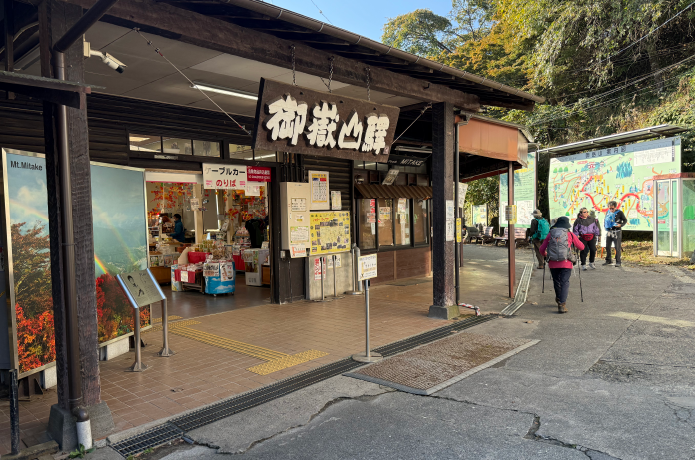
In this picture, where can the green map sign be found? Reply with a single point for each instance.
(623, 174)
(479, 214)
(524, 193)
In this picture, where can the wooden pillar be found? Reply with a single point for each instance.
(55, 18)
(443, 299)
(511, 242)
(8, 21)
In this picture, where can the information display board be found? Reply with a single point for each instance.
(142, 287)
(320, 198)
(524, 193)
(330, 232)
(479, 215)
(623, 174)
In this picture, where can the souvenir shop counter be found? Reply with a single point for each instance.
(213, 277)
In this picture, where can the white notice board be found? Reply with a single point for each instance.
(320, 196)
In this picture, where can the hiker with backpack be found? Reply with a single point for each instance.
(588, 230)
(557, 246)
(538, 231)
(614, 222)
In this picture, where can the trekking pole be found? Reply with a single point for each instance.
(581, 291)
(546, 263)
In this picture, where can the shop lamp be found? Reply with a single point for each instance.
(222, 90)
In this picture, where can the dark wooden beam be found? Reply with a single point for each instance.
(48, 89)
(8, 23)
(196, 29)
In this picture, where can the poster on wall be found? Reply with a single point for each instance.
(479, 215)
(524, 193)
(330, 232)
(120, 245)
(219, 176)
(319, 191)
(622, 174)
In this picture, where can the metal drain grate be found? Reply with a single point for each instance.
(149, 439)
(430, 336)
(177, 427)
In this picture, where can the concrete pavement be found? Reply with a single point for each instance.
(610, 379)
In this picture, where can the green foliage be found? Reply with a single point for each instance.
(420, 32)
(80, 452)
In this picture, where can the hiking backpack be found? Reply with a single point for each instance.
(559, 247)
(542, 230)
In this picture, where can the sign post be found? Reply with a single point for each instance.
(367, 271)
(142, 290)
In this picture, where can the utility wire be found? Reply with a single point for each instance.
(648, 34)
(422, 112)
(193, 85)
(114, 41)
(317, 7)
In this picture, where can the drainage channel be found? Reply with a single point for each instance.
(521, 292)
(177, 427)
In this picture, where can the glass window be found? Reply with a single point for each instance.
(688, 217)
(240, 152)
(385, 219)
(145, 143)
(206, 149)
(177, 146)
(402, 222)
(265, 155)
(420, 224)
(359, 164)
(367, 228)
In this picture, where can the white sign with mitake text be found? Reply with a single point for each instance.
(367, 267)
(219, 176)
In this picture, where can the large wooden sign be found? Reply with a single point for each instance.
(299, 120)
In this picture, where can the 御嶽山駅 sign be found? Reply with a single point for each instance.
(299, 120)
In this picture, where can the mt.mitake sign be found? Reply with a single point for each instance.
(299, 120)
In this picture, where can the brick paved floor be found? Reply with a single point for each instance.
(200, 374)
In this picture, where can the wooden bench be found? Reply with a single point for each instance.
(487, 236)
(519, 237)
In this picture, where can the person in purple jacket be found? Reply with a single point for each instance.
(587, 229)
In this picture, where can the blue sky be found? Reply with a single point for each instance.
(364, 17)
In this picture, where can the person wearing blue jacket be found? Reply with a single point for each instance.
(179, 233)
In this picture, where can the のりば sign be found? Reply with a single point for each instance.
(299, 120)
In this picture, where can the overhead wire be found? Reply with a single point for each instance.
(193, 85)
(645, 36)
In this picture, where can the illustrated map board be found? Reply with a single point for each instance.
(524, 193)
(330, 232)
(623, 174)
(479, 214)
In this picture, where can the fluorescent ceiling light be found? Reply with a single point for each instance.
(221, 90)
(265, 156)
(139, 139)
(413, 150)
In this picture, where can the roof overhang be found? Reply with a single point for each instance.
(613, 140)
(394, 191)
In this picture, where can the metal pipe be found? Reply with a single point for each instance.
(69, 279)
(366, 323)
(14, 411)
(511, 241)
(457, 175)
(335, 284)
(83, 24)
(323, 267)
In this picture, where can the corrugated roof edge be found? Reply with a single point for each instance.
(616, 139)
(336, 32)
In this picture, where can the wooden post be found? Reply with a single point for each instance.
(55, 18)
(444, 305)
(511, 241)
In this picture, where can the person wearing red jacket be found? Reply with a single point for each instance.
(561, 270)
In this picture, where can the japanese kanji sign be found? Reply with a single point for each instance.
(221, 176)
(299, 120)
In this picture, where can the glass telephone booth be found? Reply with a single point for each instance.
(674, 215)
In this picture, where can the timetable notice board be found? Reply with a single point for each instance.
(330, 232)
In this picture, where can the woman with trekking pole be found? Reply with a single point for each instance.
(588, 230)
(558, 249)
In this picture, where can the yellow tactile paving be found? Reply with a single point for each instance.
(276, 360)
(288, 361)
(189, 322)
(159, 320)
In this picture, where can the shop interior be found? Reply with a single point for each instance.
(222, 260)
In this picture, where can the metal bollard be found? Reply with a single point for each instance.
(165, 352)
(14, 411)
(368, 356)
(138, 365)
(323, 277)
(354, 259)
(335, 284)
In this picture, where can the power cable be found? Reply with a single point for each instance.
(639, 40)
(193, 85)
(114, 41)
(317, 7)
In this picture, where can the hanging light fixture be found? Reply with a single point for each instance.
(222, 90)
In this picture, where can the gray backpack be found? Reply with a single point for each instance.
(559, 247)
